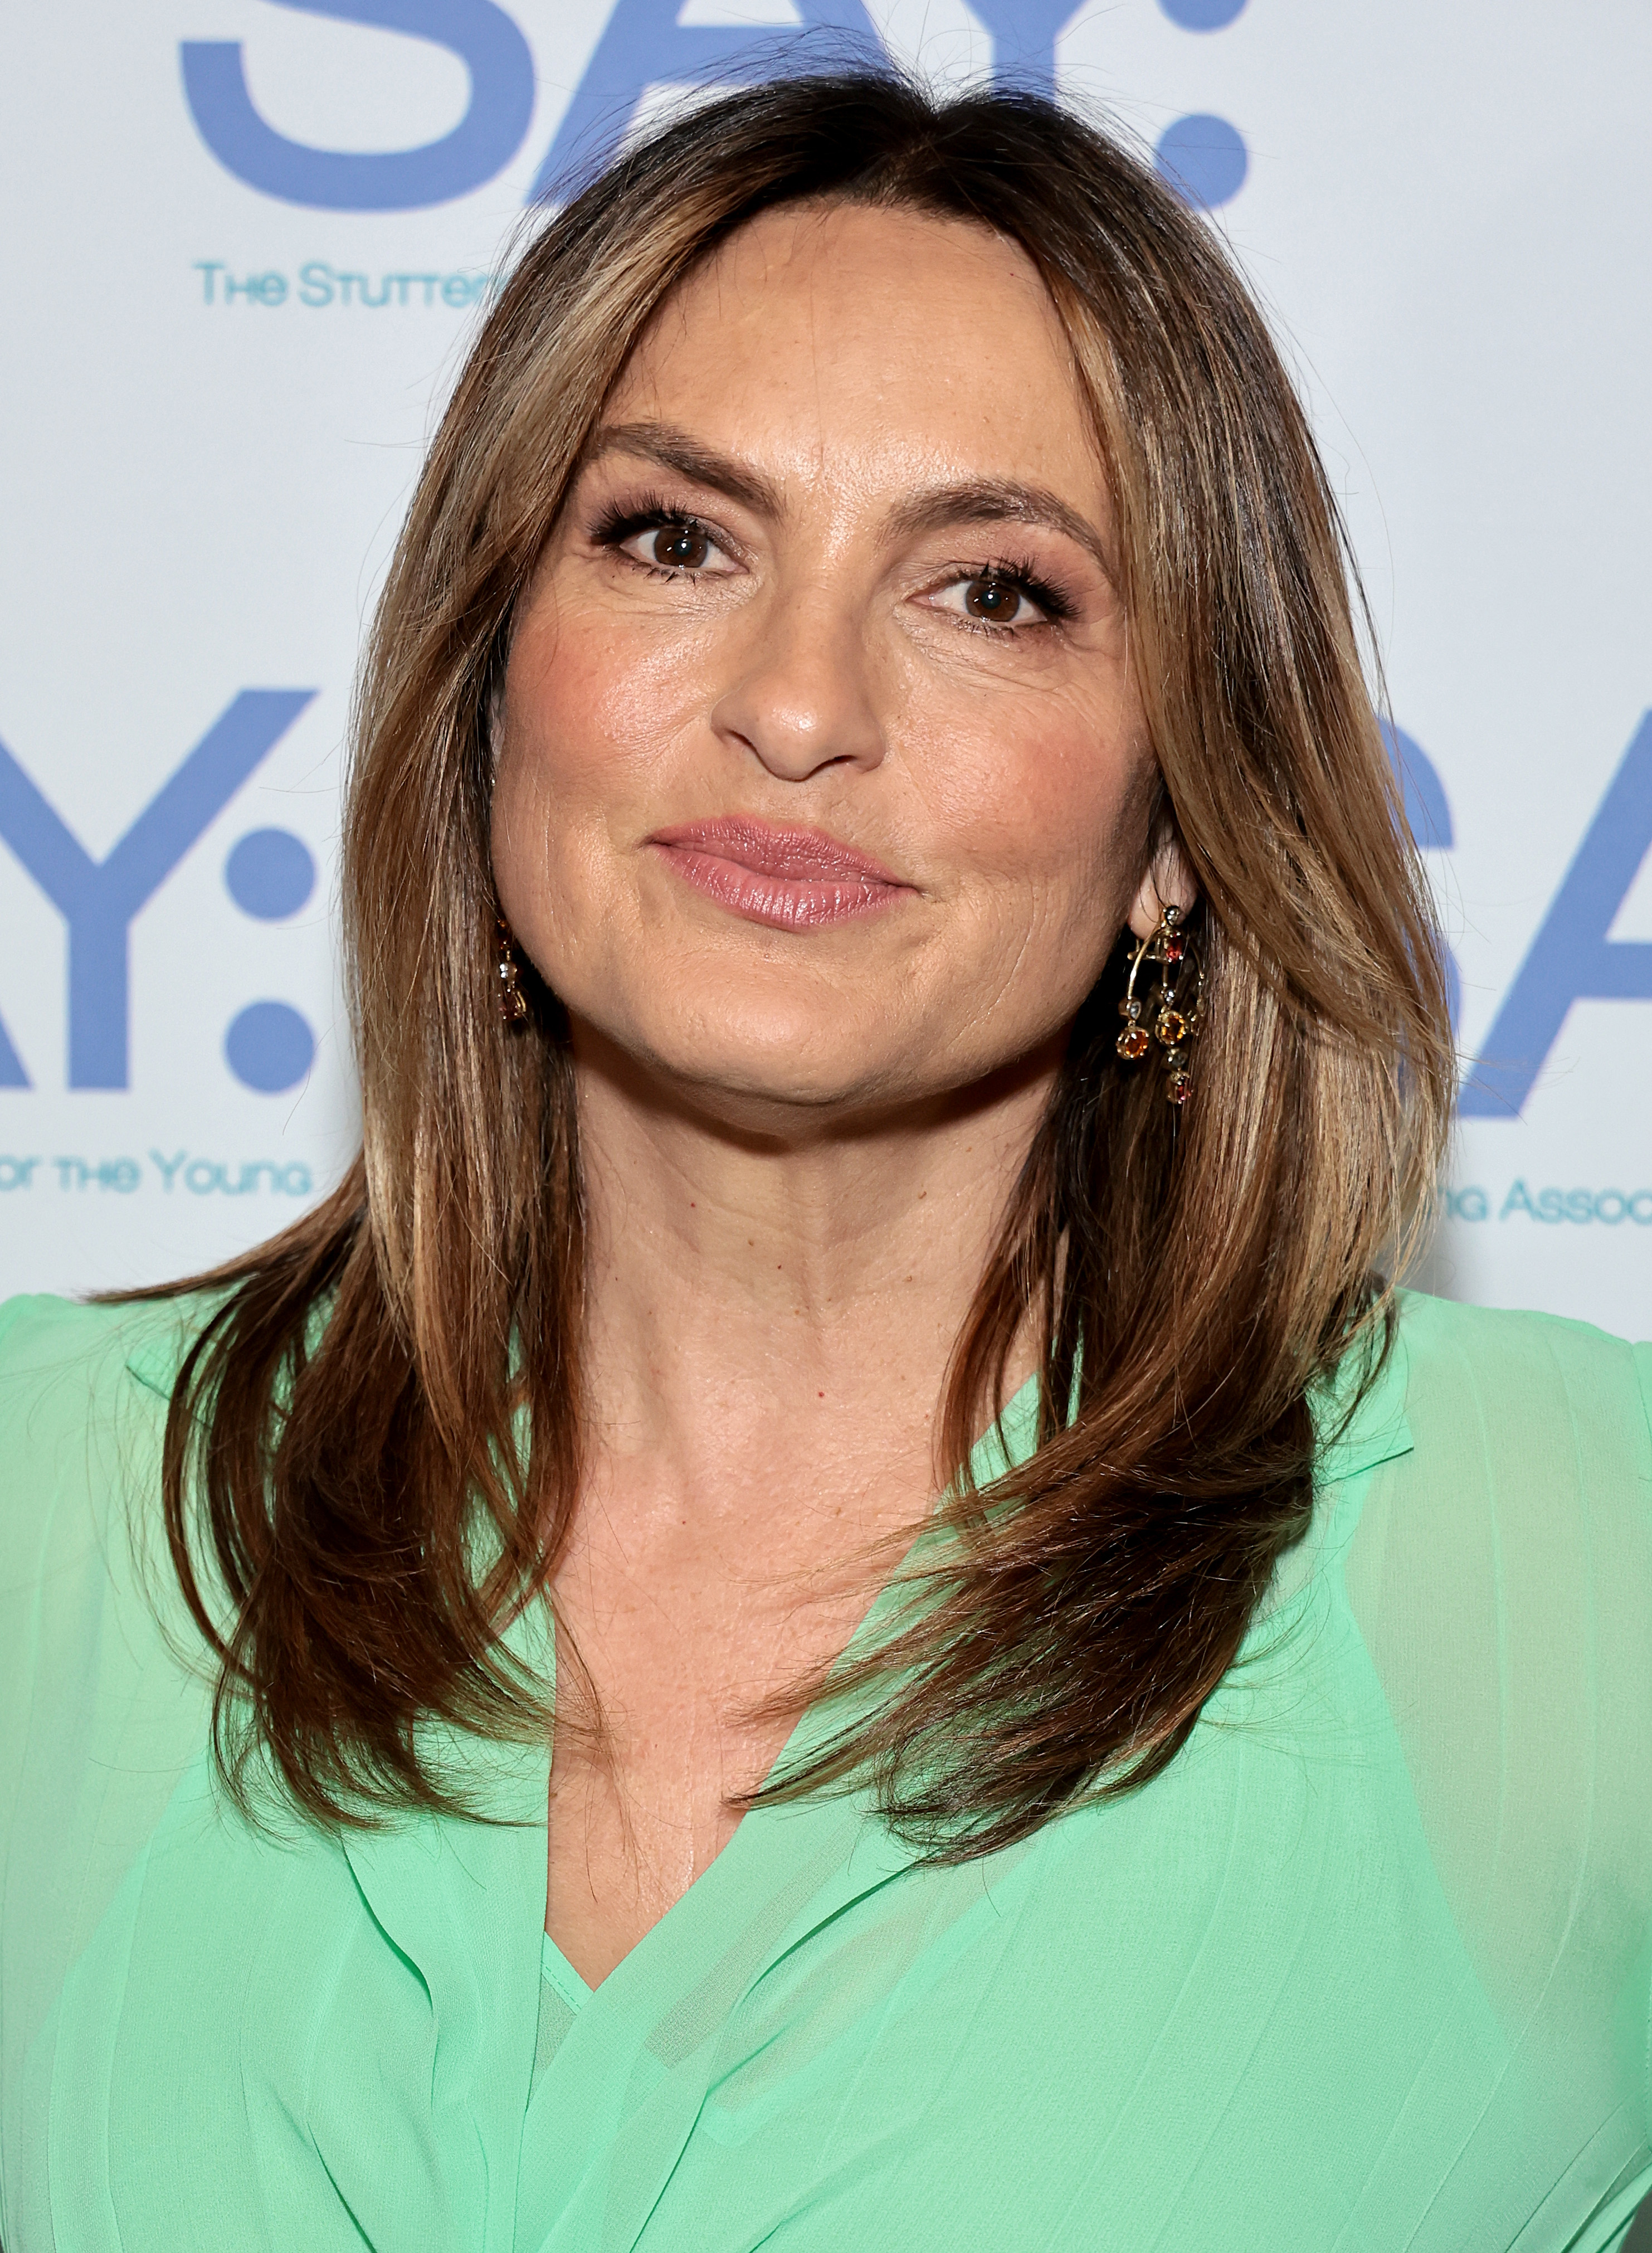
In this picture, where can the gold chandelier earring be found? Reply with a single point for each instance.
(513, 1000)
(1172, 1012)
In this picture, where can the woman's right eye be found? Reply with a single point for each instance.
(681, 544)
(680, 547)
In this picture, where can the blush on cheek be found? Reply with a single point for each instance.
(596, 708)
(1039, 815)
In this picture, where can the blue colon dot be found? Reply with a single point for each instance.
(1204, 159)
(269, 1047)
(1203, 15)
(270, 874)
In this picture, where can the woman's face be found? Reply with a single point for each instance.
(822, 782)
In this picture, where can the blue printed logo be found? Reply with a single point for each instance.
(98, 899)
(483, 142)
(642, 43)
(1571, 958)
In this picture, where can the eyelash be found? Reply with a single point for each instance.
(1023, 575)
(620, 522)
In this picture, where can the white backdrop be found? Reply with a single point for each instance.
(247, 243)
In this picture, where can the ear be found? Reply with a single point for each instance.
(1168, 883)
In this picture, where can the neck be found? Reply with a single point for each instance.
(791, 1290)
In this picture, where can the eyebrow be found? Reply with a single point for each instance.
(673, 448)
(999, 500)
(970, 500)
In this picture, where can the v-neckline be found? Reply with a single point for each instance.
(464, 1903)
(574, 1990)
(1006, 1442)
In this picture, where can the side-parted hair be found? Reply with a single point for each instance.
(373, 1449)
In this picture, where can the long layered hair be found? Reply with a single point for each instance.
(373, 1449)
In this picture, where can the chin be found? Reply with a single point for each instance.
(744, 1057)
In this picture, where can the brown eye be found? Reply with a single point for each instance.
(996, 601)
(681, 546)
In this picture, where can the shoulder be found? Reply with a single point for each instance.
(1524, 1398)
(1522, 1464)
(1499, 1578)
(71, 1376)
(45, 1338)
(89, 1602)
(106, 1686)
(1447, 1341)
(84, 1392)
(1500, 1574)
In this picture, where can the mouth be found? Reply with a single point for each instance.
(791, 879)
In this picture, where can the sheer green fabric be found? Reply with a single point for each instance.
(1368, 1968)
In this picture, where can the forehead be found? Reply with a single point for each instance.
(873, 342)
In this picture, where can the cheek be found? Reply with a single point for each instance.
(555, 783)
(588, 702)
(591, 713)
(1045, 804)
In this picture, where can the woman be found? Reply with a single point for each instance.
(897, 1021)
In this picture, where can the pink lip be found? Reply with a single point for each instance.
(795, 879)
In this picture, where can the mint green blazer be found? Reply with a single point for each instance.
(1368, 1968)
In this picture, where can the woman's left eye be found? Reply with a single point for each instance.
(677, 546)
(992, 598)
(674, 544)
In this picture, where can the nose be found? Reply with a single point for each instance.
(801, 696)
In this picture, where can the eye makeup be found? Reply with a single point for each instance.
(620, 519)
(1019, 575)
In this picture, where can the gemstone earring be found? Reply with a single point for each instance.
(513, 1000)
(1173, 1009)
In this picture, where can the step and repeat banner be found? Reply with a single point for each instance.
(246, 242)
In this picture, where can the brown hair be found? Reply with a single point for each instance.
(374, 1442)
